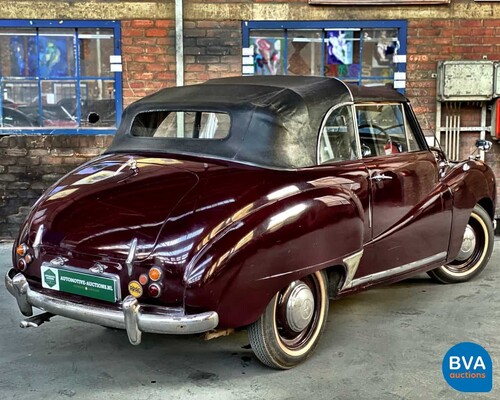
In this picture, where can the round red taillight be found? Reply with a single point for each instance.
(21, 264)
(154, 290)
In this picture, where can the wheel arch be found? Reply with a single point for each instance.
(336, 279)
(474, 186)
(487, 204)
(475, 252)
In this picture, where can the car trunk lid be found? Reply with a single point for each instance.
(104, 206)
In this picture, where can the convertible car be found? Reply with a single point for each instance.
(248, 203)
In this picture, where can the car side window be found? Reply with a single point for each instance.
(337, 139)
(383, 130)
(413, 143)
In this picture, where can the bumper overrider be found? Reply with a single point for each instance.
(133, 317)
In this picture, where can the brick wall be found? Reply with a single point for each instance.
(212, 49)
(30, 164)
(148, 54)
(433, 40)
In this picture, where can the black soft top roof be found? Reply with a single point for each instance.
(275, 120)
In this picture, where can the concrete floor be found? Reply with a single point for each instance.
(386, 343)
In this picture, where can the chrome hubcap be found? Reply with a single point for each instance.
(468, 244)
(299, 307)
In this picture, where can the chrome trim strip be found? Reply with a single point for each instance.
(377, 177)
(396, 271)
(370, 210)
(132, 316)
(130, 257)
(38, 240)
(352, 264)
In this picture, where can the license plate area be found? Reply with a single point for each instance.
(104, 287)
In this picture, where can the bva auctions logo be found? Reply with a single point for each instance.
(467, 367)
(50, 278)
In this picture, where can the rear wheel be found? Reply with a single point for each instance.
(290, 328)
(475, 252)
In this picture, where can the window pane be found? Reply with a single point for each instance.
(268, 47)
(54, 114)
(338, 140)
(17, 92)
(342, 54)
(56, 53)
(96, 46)
(197, 125)
(18, 52)
(379, 48)
(413, 143)
(304, 52)
(99, 97)
(376, 82)
(382, 129)
(13, 118)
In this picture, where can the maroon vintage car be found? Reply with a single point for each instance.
(249, 202)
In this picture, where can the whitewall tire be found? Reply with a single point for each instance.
(290, 327)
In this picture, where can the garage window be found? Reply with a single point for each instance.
(368, 53)
(54, 73)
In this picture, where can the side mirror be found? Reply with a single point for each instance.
(441, 160)
(484, 145)
(93, 118)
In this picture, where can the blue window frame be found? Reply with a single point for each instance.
(356, 51)
(54, 73)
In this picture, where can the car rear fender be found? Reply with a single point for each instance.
(471, 182)
(240, 271)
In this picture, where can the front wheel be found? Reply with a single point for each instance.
(290, 328)
(475, 252)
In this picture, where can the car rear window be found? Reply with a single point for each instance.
(182, 124)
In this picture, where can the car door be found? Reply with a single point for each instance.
(410, 211)
(339, 152)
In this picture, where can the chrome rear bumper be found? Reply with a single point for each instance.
(133, 317)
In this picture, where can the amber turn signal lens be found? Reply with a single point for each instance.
(155, 274)
(22, 249)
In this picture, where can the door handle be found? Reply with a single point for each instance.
(380, 177)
